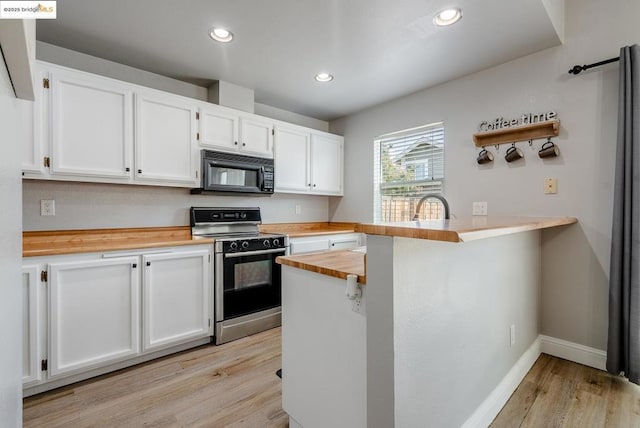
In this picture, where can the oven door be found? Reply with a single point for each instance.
(247, 283)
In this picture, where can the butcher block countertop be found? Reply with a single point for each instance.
(338, 264)
(465, 229)
(48, 243)
(295, 230)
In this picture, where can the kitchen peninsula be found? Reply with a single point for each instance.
(451, 327)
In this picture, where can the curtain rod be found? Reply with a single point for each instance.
(576, 69)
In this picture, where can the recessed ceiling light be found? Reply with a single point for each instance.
(448, 17)
(324, 77)
(220, 34)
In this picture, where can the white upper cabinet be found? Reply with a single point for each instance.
(165, 140)
(30, 131)
(291, 159)
(326, 164)
(176, 298)
(84, 127)
(256, 137)
(90, 126)
(308, 162)
(221, 129)
(218, 130)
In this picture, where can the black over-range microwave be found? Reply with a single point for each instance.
(233, 173)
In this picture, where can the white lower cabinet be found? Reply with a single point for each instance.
(31, 338)
(338, 241)
(94, 313)
(90, 313)
(175, 298)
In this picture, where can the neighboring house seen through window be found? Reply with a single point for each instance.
(408, 164)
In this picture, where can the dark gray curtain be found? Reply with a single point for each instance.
(623, 351)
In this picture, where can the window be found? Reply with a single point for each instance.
(408, 164)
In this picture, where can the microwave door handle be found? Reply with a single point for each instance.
(261, 179)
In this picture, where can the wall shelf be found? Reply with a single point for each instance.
(548, 128)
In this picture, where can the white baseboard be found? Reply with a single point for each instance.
(577, 353)
(580, 354)
(492, 405)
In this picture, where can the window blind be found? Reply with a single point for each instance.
(408, 164)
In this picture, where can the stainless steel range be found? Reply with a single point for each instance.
(247, 279)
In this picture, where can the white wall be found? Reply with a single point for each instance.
(85, 205)
(89, 206)
(10, 260)
(575, 292)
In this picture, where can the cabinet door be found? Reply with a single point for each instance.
(291, 160)
(94, 313)
(90, 126)
(256, 137)
(30, 326)
(218, 130)
(176, 298)
(326, 164)
(165, 140)
(30, 131)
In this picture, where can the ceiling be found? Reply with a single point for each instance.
(376, 49)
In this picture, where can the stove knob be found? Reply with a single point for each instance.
(276, 242)
(233, 246)
(266, 243)
(243, 215)
(245, 245)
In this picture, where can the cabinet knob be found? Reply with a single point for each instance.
(244, 144)
(134, 265)
(148, 263)
(309, 184)
(235, 142)
(139, 171)
(314, 185)
(127, 169)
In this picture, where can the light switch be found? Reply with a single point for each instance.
(550, 186)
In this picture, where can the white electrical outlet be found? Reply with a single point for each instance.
(550, 186)
(47, 207)
(512, 332)
(298, 209)
(479, 208)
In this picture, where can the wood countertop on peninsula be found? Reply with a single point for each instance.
(464, 229)
(48, 243)
(337, 264)
(295, 230)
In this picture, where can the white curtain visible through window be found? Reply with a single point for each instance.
(407, 165)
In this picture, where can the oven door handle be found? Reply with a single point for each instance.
(256, 253)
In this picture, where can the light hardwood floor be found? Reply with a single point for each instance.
(559, 393)
(232, 385)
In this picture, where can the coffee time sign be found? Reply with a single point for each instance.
(525, 119)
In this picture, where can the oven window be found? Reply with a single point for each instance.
(251, 284)
(252, 274)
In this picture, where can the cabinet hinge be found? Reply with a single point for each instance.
(196, 174)
(198, 136)
(44, 365)
(45, 83)
(197, 116)
(47, 161)
(273, 132)
(209, 258)
(44, 276)
(209, 322)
